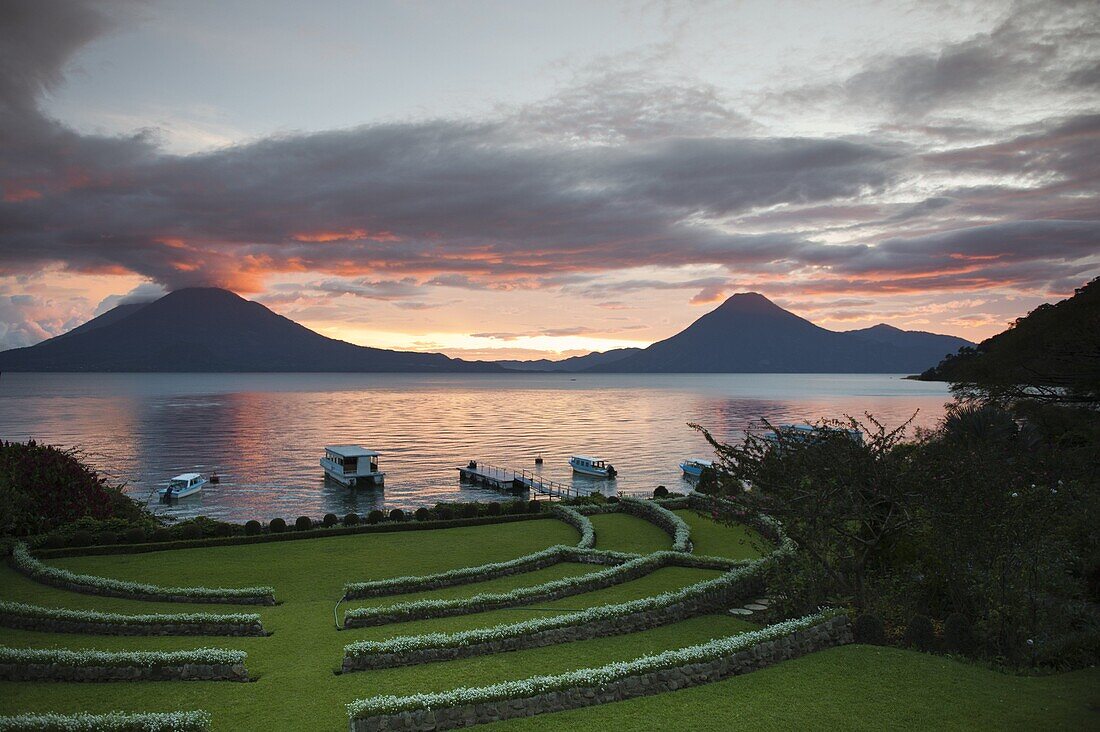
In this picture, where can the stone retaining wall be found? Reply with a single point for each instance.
(619, 625)
(62, 672)
(58, 625)
(832, 632)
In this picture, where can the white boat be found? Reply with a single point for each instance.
(694, 467)
(352, 465)
(182, 486)
(592, 466)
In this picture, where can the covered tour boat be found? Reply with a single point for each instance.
(352, 465)
(592, 466)
(182, 486)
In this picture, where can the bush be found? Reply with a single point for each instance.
(223, 528)
(134, 535)
(422, 514)
(612, 499)
(470, 510)
(53, 541)
(329, 520)
(920, 634)
(352, 519)
(162, 533)
(252, 528)
(397, 515)
(375, 516)
(517, 507)
(958, 637)
(446, 513)
(303, 523)
(534, 506)
(276, 526)
(494, 509)
(81, 537)
(869, 628)
(660, 492)
(190, 531)
(106, 538)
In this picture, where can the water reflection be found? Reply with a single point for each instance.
(264, 433)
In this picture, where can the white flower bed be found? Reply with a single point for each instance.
(93, 616)
(411, 583)
(111, 722)
(461, 639)
(667, 520)
(582, 678)
(475, 603)
(24, 561)
(91, 657)
(580, 522)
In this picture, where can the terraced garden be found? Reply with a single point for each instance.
(293, 680)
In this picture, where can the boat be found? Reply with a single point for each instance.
(694, 467)
(803, 433)
(182, 486)
(352, 465)
(592, 466)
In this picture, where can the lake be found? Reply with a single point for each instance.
(264, 433)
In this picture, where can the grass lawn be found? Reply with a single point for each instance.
(712, 539)
(297, 689)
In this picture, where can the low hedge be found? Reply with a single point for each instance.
(37, 612)
(578, 521)
(420, 609)
(111, 722)
(27, 564)
(586, 677)
(477, 636)
(149, 659)
(286, 536)
(661, 516)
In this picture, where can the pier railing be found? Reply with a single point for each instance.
(501, 476)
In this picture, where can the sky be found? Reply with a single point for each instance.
(522, 179)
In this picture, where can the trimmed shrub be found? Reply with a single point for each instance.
(134, 535)
(494, 509)
(446, 513)
(375, 516)
(303, 523)
(277, 526)
(53, 541)
(470, 510)
(329, 520)
(222, 528)
(397, 515)
(920, 634)
(106, 538)
(110, 722)
(352, 519)
(422, 514)
(660, 492)
(517, 507)
(612, 499)
(190, 531)
(869, 628)
(958, 636)
(534, 506)
(253, 528)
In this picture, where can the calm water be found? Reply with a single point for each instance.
(263, 433)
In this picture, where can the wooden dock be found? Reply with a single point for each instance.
(511, 481)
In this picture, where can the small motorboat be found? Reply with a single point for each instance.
(182, 486)
(592, 466)
(352, 465)
(694, 467)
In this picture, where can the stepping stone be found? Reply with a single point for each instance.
(740, 611)
(763, 602)
(756, 607)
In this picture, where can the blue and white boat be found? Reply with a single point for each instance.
(589, 465)
(694, 467)
(182, 486)
(352, 465)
